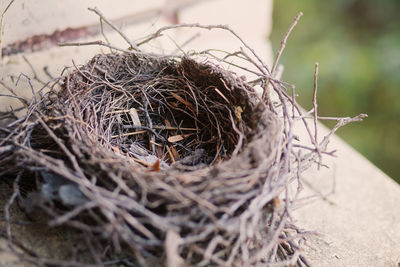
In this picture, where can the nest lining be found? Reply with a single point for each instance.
(172, 101)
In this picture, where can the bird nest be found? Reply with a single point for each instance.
(162, 159)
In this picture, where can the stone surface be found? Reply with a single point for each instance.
(356, 212)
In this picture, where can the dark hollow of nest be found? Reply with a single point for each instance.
(135, 149)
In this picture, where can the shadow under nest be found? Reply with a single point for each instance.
(137, 150)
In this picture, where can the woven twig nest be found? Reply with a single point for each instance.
(172, 159)
(164, 160)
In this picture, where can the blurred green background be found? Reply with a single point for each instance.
(357, 43)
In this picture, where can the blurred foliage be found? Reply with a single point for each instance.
(357, 43)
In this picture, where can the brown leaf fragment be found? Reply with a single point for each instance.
(156, 166)
(174, 152)
(171, 155)
(167, 123)
(183, 101)
(177, 138)
(173, 104)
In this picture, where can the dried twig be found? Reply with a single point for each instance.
(1, 26)
(315, 103)
(159, 32)
(24, 101)
(316, 112)
(278, 56)
(100, 14)
(283, 43)
(101, 43)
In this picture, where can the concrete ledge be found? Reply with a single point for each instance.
(357, 213)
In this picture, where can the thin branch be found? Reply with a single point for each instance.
(283, 43)
(100, 14)
(24, 101)
(101, 43)
(265, 95)
(316, 114)
(159, 32)
(1, 27)
(315, 103)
